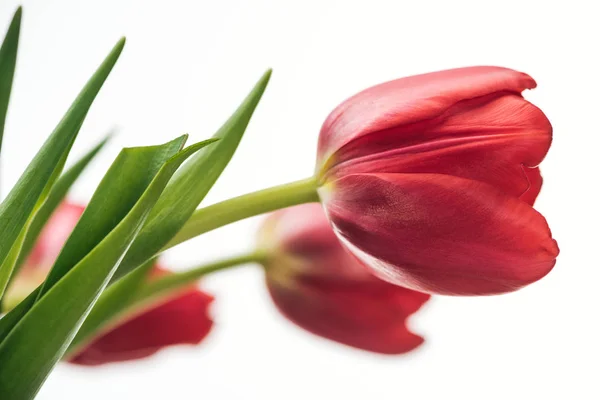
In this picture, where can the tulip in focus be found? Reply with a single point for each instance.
(182, 319)
(321, 287)
(430, 181)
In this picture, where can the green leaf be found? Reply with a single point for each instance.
(8, 60)
(106, 209)
(16, 211)
(55, 197)
(124, 178)
(104, 212)
(191, 184)
(29, 352)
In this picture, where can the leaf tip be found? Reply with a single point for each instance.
(112, 132)
(18, 13)
(118, 48)
(266, 77)
(260, 86)
(15, 24)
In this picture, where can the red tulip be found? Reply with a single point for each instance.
(182, 319)
(321, 287)
(430, 181)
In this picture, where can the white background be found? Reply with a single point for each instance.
(186, 66)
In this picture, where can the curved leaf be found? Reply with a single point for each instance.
(16, 211)
(118, 191)
(191, 184)
(29, 353)
(118, 179)
(8, 61)
(55, 197)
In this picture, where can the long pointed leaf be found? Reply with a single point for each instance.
(29, 353)
(8, 60)
(117, 180)
(124, 178)
(55, 197)
(106, 209)
(17, 209)
(191, 184)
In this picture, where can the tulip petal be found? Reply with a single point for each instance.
(441, 234)
(496, 139)
(322, 287)
(183, 320)
(370, 316)
(535, 185)
(411, 100)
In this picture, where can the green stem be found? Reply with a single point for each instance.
(177, 280)
(245, 206)
(204, 220)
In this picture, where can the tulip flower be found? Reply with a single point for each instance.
(179, 319)
(430, 181)
(321, 287)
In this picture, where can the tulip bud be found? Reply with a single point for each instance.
(321, 287)
(430, 181)
(180, 319)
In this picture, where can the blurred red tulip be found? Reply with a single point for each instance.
(182, 319)
(430, 181)
(44, 252)
(321, 287)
